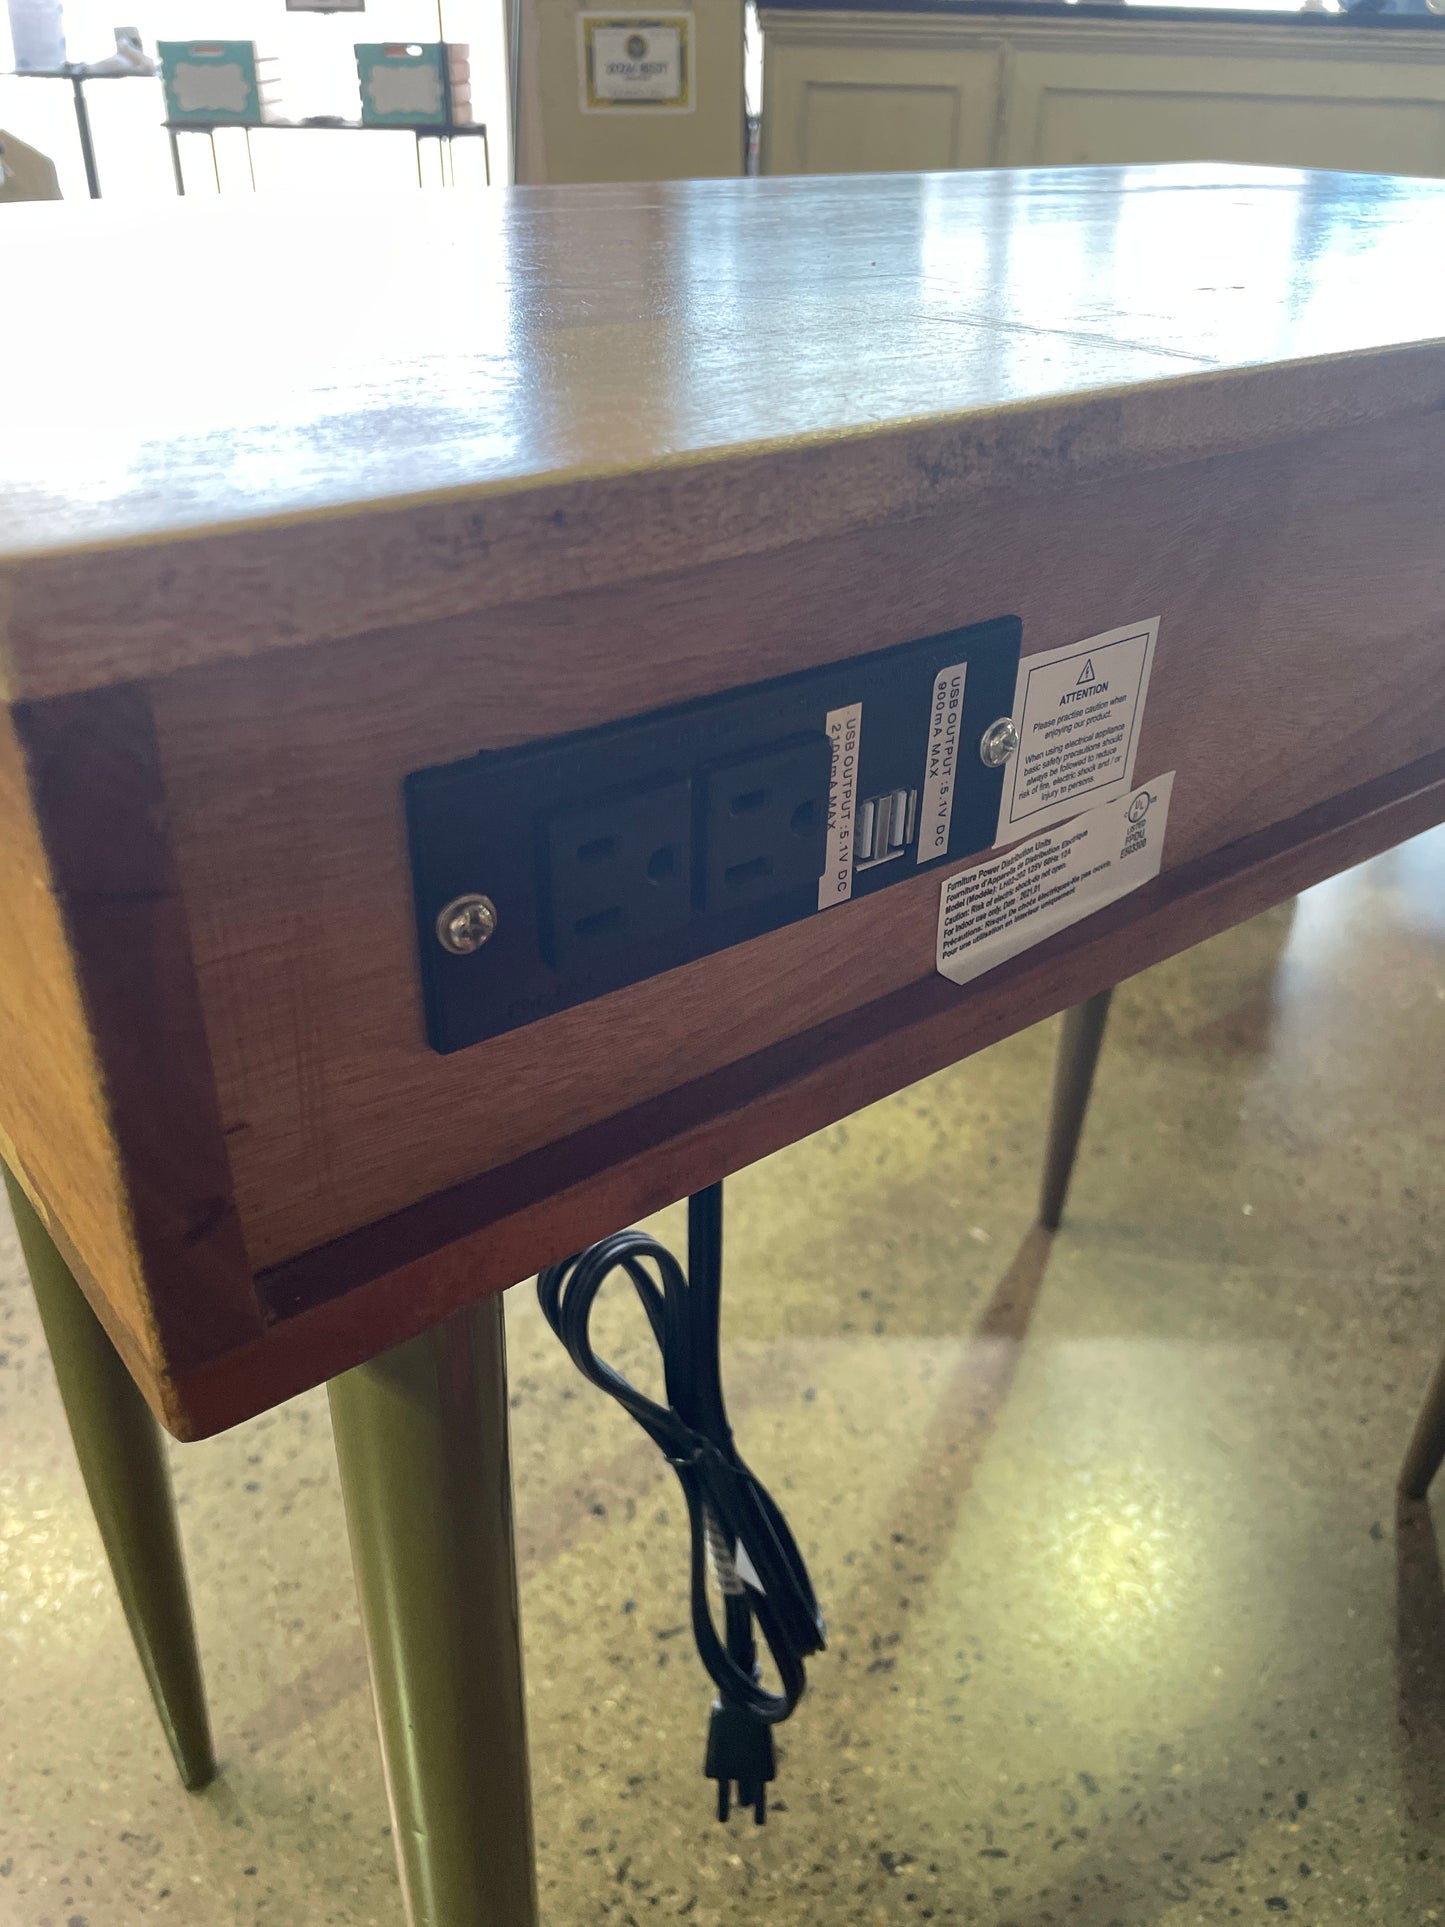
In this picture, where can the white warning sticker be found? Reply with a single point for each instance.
(845, 728)
(945, 713)
(1078, 710)
(991, 913)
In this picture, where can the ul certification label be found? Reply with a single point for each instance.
(991, 913)
(1078, 710)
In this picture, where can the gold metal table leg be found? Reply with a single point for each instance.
(122, 1458)
(422, 1441)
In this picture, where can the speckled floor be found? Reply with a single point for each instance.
(1125, 1627)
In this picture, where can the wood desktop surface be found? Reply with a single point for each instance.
(339, 493)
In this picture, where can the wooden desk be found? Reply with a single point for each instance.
(485, 474)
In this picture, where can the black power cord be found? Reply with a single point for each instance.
(734, 1521)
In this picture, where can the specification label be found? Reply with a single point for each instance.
(1078, 710)
(844, 727)
(991, 913)
(945, 713)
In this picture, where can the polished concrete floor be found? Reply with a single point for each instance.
(1125, 1625)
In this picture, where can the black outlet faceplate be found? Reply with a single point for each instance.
(721, 798)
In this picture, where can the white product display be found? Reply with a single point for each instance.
(130, 57)
(37, 28)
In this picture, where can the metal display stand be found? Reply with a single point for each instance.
(77, 75)
(419, 130)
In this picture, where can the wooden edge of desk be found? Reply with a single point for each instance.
(144, 606)
(154, 1383)
(340, 1304)
(56, 1132)
(96, 785)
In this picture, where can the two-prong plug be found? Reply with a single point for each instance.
(739, 1753)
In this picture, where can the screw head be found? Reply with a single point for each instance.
(999, 742)
(466, 924)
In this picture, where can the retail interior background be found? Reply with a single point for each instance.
(318, 76)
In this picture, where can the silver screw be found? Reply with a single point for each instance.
(466, 924)
(1000, 740)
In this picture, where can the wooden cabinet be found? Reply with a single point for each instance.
(877, 105)
(849, 91)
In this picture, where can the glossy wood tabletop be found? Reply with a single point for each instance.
(296, 502)
(209, 407)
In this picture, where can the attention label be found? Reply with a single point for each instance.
(935, 819)
(845, 728)
(991, 913)
(1078, 710)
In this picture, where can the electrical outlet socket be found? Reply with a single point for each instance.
(765, 821)
(617, 870)
(559, 834)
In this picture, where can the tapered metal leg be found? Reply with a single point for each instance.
(1073, 1080)
(1427, 1446)
(422, 1441)
(123, 1462)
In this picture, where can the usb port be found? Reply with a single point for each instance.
(885, 827)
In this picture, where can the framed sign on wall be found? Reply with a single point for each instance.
(636, 63)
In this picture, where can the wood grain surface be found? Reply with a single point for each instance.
(424, 1265)
(107, 1098)
(635, 447)
(56, 1131)
(95, 785)
(1300, 592)
(561, 388)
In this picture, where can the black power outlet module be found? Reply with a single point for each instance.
(764, 821)
(735, 815)
(617, 870)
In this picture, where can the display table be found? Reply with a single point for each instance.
(575, 457)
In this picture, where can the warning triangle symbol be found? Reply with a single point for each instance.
(1086, 674)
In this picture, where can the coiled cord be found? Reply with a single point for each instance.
(756, 1560)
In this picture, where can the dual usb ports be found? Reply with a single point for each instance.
(885, 827)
